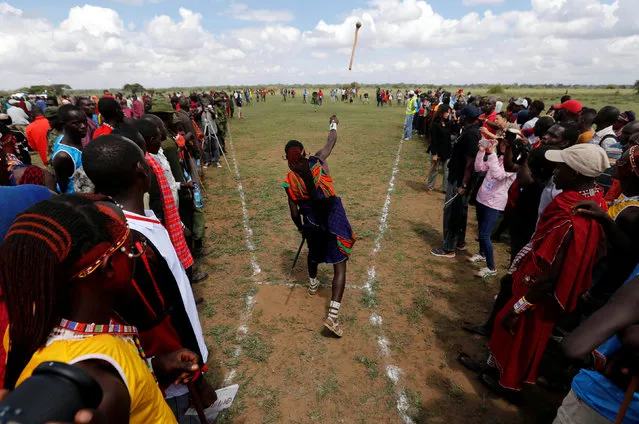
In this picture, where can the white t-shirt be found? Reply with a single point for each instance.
(154, 231)
(547, 196)
(18, 116)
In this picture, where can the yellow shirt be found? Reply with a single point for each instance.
(147, 404)
(585, 137)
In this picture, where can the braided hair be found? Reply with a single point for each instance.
(299, 163)
(39, 256)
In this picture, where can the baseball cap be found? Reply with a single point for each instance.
(572, 106)
(13, 102)
(470, 111)
(521, 102)
(411, 92)
(587, 159)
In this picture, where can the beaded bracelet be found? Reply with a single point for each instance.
(599, 360)
(522, 306)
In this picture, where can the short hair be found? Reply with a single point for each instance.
(130, 132)
(571, 133)
(590, 112)
(108, 108)
(147, 128)
(542, 125)
(565, 98)
(110, 162)
(538, 105)
(64, 112)
(609, 114)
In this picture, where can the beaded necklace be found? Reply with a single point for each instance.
(113, 329)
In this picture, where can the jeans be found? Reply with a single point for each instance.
(486, 219)
(408, 126)
(434, 171)
(455, 218)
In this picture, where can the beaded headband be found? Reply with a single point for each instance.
(110, 251)
(633, 163)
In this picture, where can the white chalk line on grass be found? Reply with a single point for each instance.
(286, 284)
(245, 221)
(393, 372)
(249, 301)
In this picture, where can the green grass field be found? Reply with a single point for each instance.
(289, 371)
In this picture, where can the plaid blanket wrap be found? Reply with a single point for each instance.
(171, 215)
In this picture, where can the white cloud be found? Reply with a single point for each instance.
(480, 2)
(243, 12)
(569, 41)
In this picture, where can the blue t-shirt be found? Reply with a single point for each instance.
(601, 394)
(76, 157)
(15, 200)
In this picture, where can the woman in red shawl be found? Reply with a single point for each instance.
(325, 225)
(549, 273)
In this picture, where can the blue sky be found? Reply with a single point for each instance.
(160, 43)
(306, 13)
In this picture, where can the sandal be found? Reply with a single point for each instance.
(471, 364)
(333, 326)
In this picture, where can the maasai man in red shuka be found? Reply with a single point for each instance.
(553, 270)
(325, 226)
(549, 273)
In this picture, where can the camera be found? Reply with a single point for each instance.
(519, 147)
(55, 392)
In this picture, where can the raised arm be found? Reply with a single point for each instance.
(325, 152)
(620, 312)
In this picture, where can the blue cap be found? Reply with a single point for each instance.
(470, 111)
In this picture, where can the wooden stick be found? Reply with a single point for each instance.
(357, 27)
(197, 402)
(627, 399)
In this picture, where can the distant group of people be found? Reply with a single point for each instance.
(563, 183)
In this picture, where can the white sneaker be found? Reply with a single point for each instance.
(476, 258)
(406, 139)
(486, 272)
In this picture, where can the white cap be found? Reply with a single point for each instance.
(412, 93)
(13, 102)
(587, 159)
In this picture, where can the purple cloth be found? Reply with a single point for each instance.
(91, 127)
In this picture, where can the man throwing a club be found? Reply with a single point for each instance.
(320, 216)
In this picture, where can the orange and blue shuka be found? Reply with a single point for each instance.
(330, 238)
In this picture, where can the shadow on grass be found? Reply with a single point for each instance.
(419, 186)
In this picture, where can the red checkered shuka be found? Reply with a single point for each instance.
(171, 215)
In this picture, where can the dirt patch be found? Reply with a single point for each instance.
(289, 371)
